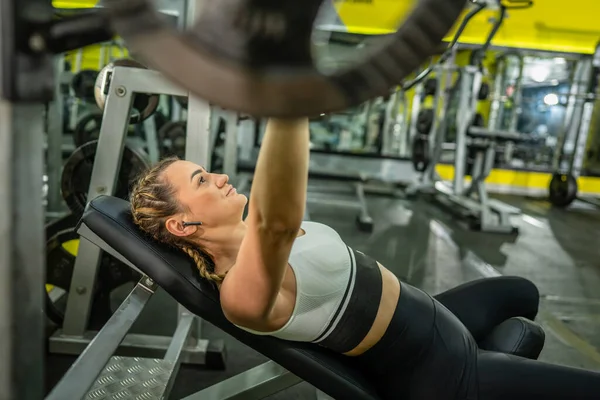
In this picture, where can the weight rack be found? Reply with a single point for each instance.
(73, 338)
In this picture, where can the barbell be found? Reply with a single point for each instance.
(254, 56)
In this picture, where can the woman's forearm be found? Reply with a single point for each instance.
(278, 194)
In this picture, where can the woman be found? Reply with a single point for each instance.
(298, 281)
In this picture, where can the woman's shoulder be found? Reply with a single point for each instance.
(318, 228)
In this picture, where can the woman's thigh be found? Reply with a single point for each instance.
(483, 304)
(502, 376)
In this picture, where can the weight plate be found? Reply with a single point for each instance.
(61, 252)
(484, 91)
(87, 129)
(430, 86)
(172, 137)
(420, 154)
(562, 190)
(83, 83)
(425, 121)
(228, 62)
(478, 120)
(77, 173)
(143, 106)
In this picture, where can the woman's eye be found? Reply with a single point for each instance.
(201, 180)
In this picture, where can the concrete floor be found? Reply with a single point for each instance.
(423, 245)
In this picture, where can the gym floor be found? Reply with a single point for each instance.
(426, 247)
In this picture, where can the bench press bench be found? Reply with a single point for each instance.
(97, 374)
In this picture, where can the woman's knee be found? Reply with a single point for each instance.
(526, 293)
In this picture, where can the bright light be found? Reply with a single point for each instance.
(551, 99)
(540, 73)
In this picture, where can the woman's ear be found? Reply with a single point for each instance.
(175, 227)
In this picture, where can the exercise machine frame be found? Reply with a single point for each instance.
(485, 214)
(74, 337)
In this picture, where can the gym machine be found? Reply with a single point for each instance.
(581, 121)
(472, 202)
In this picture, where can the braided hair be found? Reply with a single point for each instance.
(153, 202)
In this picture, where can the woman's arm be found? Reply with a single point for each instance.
(278, 194)
(276, 209)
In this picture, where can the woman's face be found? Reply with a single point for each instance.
(205, 197)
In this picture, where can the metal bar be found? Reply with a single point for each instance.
(21, 250)
(254, 384)
(151, 139)
(175, 350)
(104, 176)
(145, 81)
(82, 374)
(133, 345)
(230, 156)
(75, 105)
(179, 338)
(463, 120)
(198, 146)
(499, 134)
(416, 108)
(54, 136)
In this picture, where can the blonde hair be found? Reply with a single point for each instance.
(153, 202)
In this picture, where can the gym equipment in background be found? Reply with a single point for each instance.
(144, 105)
(105, 173)
(77, 174)
(583, 117)
(83, 83)
(87, 129)
(474, 152)
(171, 137)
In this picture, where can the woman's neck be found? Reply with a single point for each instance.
(223, 244)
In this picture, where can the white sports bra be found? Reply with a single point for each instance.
(323, 266)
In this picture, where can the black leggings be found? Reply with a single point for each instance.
(481, 305)
(447, 364)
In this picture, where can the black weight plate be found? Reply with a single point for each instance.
(562, 190)
(83, 84)
(59, 270)
(60, 264)
(172, 138)
(420, 154)
(430, 86)
(484, 91)
(425, 121)
(66, 222)
(77, 173)
(478, 120)
(87, 129)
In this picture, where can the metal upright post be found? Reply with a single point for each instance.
(199, 111)
(22, 269)
(25, 84)
(55, 140)
(463, 119)
(230, 155)
(102, 182)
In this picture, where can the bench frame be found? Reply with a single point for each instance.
(99, 374)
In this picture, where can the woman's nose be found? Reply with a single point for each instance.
(222, 180)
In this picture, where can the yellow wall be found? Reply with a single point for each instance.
(552, 25)
(74, 3)
(523, 179)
